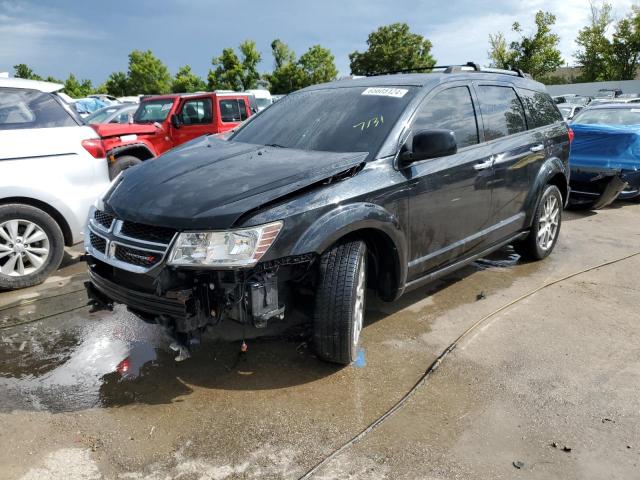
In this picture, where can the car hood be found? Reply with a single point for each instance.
(106, 130)
(607, 147)
(209, 183)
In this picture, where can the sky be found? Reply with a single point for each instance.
(93, 38)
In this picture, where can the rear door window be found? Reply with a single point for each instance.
(21, 109)
(197, 111)
(450, 109)
(539, 108)
(232, 110)
(502, 111)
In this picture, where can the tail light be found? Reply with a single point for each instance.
(95, 147)
(571, 135)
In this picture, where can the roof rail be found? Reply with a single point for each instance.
(469, 66)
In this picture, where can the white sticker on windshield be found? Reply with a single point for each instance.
(386, 92)
(166, 106)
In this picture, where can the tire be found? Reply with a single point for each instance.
(122, 163)
(15, 221)
(340, 302)
(538, 244)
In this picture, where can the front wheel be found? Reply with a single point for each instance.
(340, 302)
(545, 228)
(31, 246)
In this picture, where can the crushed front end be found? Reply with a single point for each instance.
(130, 263)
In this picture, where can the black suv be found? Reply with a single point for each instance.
(384, 182)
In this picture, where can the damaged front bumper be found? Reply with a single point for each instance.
(598, 188)
(128, 265)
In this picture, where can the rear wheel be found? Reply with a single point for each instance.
(340, 302)
(31, 246)
(122, 163)
(545, 228)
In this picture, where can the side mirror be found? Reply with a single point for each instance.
(176, 121)
(430, 144)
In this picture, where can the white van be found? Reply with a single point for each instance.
(52, 169)
(263, 98)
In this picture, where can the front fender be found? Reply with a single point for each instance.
(120, 149)
(351, 218)
(550, 168)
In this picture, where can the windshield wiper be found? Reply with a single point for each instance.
(277, 145)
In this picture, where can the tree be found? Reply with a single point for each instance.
(117, 84)
(227, 73)
(392, 48)
(186, 81)
(537, 53)
(594, 48)
(625, 47)
(147, 74)
(287, 76)
(76, 89)
(318, 66)
(23, 71)
(233, 73)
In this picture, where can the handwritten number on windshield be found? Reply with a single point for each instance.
(371, 123)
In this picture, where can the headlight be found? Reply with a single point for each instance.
(232, 248)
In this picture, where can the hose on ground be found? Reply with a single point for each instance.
(436, 363)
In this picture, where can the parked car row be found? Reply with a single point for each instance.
(382, 182)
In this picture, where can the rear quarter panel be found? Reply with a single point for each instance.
(50, 165)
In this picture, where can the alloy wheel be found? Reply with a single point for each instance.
(358, 310)
(24, 248)
(548, 223)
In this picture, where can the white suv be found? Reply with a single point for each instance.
(52, 169)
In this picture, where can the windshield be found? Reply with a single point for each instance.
(351, 119)
(565, 111)
(263, 102)
(609, 116)
(153, 111)
(101, 115)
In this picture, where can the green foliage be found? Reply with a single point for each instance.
(233, 73)
(23, 71)
(186, 81)
(537, 53)
(593, 52)
(147, 74)
(318, 66)
(625, 47)
(392, 48)
(603, 59)
(117, 84)
(76, 89)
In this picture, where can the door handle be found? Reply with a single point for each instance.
(537, 148)
(483, 165)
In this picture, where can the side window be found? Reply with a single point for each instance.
(451, 109)
(502, 111)
(197, 111)
(31, 109)
(243, 109)
(232, 110)
(539, 108)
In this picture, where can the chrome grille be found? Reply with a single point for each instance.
(99, 243)
(127, 245)
(147, 232)
(141, 258)
(103, 218)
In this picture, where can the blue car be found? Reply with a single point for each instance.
(605, 155)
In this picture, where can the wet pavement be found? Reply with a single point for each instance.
(99, 395)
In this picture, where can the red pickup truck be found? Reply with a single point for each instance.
(165, 121)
